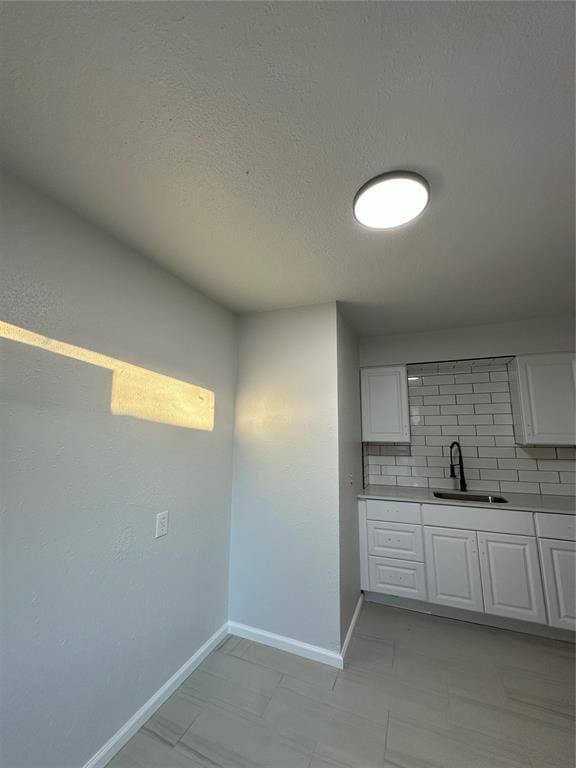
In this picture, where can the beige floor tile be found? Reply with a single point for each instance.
(242, 672)
(333, 734)
(288, 664)
(227, 740)
(416, 745)
(538, 690)
(173, 719)
(366, 654)
(146, 751)
(213, 689)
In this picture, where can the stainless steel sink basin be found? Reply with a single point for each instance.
(481, 497)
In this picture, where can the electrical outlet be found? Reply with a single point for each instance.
(161, 524)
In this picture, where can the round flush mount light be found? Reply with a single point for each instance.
(390, 200)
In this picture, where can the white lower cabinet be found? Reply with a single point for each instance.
(559, 572)
(511, 580)
(510, 563)
(452, 568)
(402, 578)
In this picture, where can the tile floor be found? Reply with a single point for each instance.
(417, 692)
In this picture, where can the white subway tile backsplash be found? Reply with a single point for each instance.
(529, 476)
(483, 397)
(501, 397)
(499, 474)
(412, 461)
(441, 420)
(519, 487)
(503, 418)
(395, 470)
(470, 404)
(559, 489)
(438, 380)
(440, 400)
(494, 429)
(517, 464)
(507, 440)
(420, 482)
(558, 466)
(455, 389)
(460, 429)
(424, 410)
(492, 386)
(500, 452)
(472, 378)
(458, 409)
(492, 408)
(475, 418)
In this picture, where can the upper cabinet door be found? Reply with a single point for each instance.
(543, 399)
(385, 416)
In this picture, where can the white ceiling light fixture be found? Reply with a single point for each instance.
(391, 199)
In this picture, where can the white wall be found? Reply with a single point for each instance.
(101, 613)
(284, 575)
(350, 470)
(544, 334)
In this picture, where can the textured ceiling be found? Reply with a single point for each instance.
(226, 141)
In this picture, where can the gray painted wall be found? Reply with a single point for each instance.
(542, 334)
(350, 470)
(100, 613)
(284, 574)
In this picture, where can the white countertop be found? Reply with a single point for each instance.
(527, 502)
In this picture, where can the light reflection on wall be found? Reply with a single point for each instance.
(136, 391)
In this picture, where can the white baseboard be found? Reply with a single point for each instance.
(353, 621)
(283, 643)
(125, 733)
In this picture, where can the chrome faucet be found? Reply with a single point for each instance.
(460, 465)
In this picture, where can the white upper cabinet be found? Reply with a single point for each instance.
(543, 399)
(385, 416)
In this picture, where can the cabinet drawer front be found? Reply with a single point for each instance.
(393, 511)
(479, 518)
(397, 540)
(397, 577)
(556, 526)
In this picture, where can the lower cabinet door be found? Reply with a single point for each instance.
(452, 568)
(559, 572)
(402, 578)
(511, 576)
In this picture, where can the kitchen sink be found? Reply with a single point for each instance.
(481, 497)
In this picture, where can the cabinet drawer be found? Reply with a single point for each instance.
(556, 526)
(479, 518)
(397, 540)
(393, 511)
(397, 577)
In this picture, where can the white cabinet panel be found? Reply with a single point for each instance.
(385, 416)
(402, 578)
(393, 511)
(543, 399)
(559, 572)
(511, 579)
(499, 519)
(399, 540)
(550, 526)
(452, 568)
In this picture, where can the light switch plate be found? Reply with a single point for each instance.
(161, 524)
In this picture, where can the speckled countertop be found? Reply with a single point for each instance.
(527, 502)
